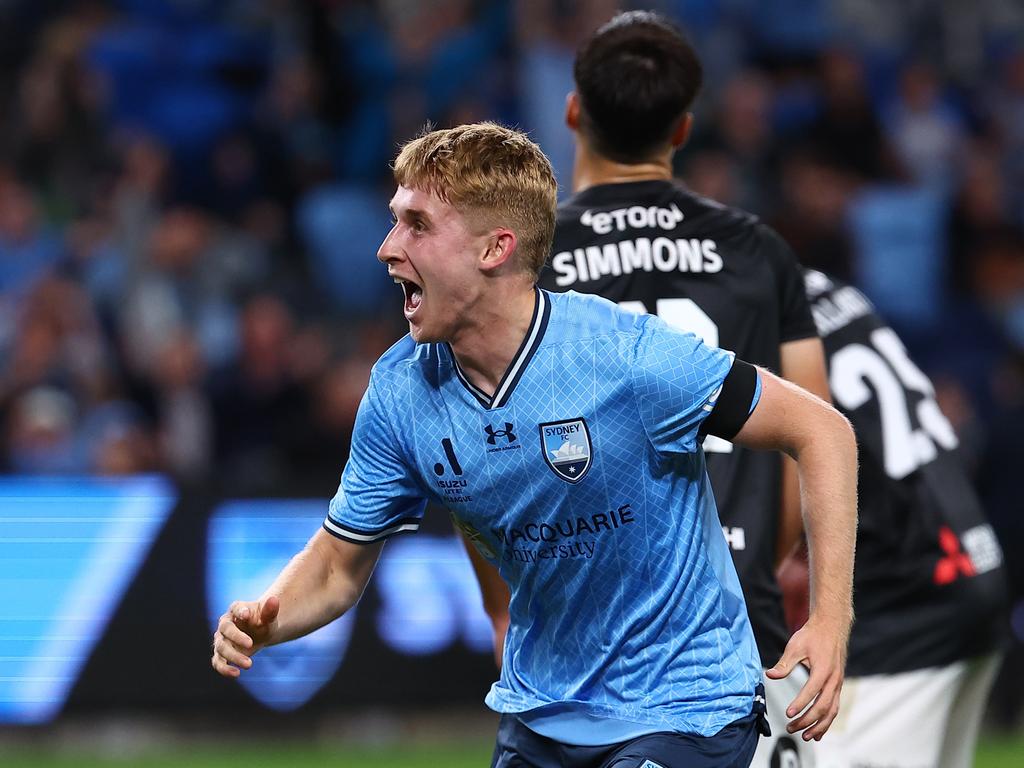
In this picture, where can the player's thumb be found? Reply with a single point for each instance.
(783, 666)
(269, 609)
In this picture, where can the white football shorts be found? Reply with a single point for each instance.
(928, 718)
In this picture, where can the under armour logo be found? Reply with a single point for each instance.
(493, 434)
(955, 563)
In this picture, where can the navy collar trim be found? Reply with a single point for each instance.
(532, 340)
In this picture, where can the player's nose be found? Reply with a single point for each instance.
(389, 252)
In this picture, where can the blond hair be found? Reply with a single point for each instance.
(491, 174)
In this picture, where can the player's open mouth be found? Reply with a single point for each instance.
(413, 297)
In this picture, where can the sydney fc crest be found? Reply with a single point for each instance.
(567, 449)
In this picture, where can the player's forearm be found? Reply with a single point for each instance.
(495, 594)
(827, 465)
(791, 524)
(314, 589)
(803, 363)
(821, 440)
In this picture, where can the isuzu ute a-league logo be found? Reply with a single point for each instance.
(566, 447)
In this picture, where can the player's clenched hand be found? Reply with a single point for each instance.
(243, 630)
(822, 648)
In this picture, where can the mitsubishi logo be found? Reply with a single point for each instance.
(493, 434)
(955, 563)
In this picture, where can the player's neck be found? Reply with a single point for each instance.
(591, 169)
(485, 346)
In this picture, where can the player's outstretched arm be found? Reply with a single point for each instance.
(495, 595)
(822, 442)
(319, 584)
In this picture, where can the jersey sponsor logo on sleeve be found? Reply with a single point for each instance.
(983, 548)
(566, 448)
(980, 554)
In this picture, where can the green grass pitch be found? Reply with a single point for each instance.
(993, 752)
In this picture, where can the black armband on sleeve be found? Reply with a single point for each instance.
(733, 406)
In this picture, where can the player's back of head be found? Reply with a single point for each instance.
(636, 77)
(491, 174)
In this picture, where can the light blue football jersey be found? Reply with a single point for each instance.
(582, 480)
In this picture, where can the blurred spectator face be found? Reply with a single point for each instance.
(843, 81)
(145, 165)
(712, 174)
(340, 393)
(982, 192)
(267, 221)
(36, 352)
(42, 107)
(919, 87)
(416, 26)
(998, 271)
(817, 193)
(18, 213)
(468, 110)
(123, 450)
(295, 90)
(744, 113)
(998, 278)
(180, 363)
(83, 237)
(41, 431)
(64, 303)
(234, 162)
(179, 240)
(266, 336)
(1014, 73)
(955, 403)
(309, 353)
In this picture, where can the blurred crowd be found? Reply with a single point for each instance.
(192, 193)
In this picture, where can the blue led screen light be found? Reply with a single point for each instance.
(249, 542)
(429, 596)
(69, 548)
(429, 599)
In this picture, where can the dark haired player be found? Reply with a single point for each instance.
(633, 235)
(929, 577)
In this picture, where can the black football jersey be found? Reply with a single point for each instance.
(655, 247)
(928, 578)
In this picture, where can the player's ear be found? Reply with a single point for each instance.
(572, 111)
(682, 131)
(500, 246)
